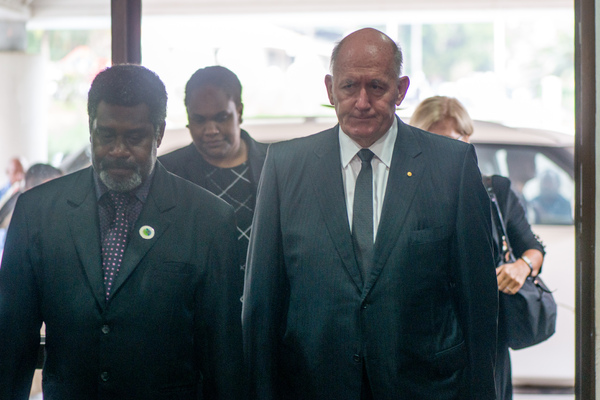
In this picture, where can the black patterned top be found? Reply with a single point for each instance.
(233, 185)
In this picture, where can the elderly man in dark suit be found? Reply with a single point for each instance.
(370, 270)
(131, 268)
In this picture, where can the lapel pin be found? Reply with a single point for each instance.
(409, 173)
(147, 232)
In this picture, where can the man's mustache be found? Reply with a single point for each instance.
(118, 164)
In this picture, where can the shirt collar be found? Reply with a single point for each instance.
(382, 148)
(141, 192)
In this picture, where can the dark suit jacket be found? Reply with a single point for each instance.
(422, 324)
(189, 164)
(171, 328)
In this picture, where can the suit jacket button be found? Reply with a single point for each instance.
(105, 329)
(104, 376)
(356, 358)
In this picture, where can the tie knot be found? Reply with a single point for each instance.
(119, 200)
(365, 155)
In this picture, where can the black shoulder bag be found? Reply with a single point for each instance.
(529, 314)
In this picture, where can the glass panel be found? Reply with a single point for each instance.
(545, 189)
(549, 194)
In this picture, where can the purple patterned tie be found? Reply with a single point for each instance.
(113, 246)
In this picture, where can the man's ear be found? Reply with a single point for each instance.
(329, 86)
(161, 133)
(91, 128)
(403, 84)
(240, 111)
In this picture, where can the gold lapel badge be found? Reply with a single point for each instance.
(409, 173)
(147, 232)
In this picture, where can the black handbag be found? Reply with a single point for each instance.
(529, 316)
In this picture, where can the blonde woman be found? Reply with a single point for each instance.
(446, 116)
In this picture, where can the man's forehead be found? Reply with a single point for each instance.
(206, 108)
(138, 113)
(357, 62)
(364, 74)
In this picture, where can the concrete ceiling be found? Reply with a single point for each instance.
(48, 9)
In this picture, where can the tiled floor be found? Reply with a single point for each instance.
(515, 397)
(532, 393)
(544, 397)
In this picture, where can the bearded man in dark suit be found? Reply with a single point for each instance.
(131, 268)
(370, 269)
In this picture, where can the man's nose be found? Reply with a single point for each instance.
(120, 148)
(211, 128)
(363, 102)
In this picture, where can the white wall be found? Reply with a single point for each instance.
(23, 131)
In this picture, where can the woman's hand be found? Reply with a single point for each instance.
(511, 277)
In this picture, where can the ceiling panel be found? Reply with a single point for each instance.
(68, 8)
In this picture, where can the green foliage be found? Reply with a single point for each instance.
(451, 51)
(539, 49)
(69, 129)
(58, 42)
(74, 57)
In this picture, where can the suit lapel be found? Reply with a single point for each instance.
(326, 175)
(189, 165)
(406, 172)
(195, 167)
(151, 221)
(85, 231)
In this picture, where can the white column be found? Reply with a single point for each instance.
(23, 108)
(416, 48)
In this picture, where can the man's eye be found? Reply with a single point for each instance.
(134, 139)
(222, 117)
(104, 135)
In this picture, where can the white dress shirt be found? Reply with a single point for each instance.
(351, 164)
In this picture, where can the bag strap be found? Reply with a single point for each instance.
(505, 245)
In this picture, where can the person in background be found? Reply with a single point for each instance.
(370, 268)
(15, 173)
(36, 175)
(222, 157)
(132, 269)
(40, 173)
(446, 116)
(550, 207)
(11, 191)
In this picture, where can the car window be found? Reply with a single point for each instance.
(544, 187)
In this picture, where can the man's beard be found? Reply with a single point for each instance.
(125, 184)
